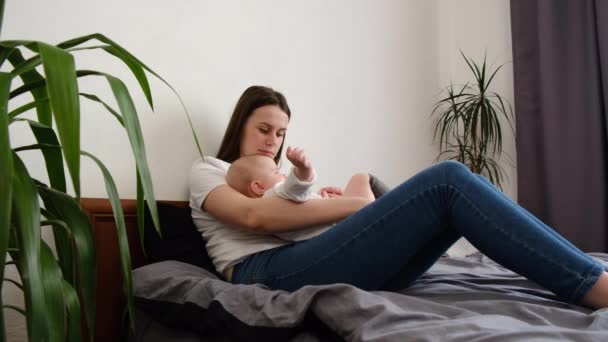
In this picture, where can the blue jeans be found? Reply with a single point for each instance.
(391, 242)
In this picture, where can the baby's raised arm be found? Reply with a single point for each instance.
(302, 165)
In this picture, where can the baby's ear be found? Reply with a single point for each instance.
(257, 188)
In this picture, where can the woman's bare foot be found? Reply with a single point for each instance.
(597, 297)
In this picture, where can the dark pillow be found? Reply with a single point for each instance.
(180, 240)
(378, 187)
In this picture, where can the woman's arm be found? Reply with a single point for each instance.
(276, 215)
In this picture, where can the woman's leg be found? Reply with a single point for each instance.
(426, 213)
(539, 222)
(597, 297)
(428, 256)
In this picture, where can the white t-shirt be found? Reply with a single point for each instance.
(296, 190)
(226, 245)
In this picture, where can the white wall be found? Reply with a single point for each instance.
(348, 69)
(360, 77)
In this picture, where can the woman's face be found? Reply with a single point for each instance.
(264, 131)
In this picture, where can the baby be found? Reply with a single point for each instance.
(259, 176)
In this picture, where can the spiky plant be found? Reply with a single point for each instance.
(468, 123)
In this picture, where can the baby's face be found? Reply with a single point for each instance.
(269, 173)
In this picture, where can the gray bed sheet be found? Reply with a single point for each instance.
(458, 299)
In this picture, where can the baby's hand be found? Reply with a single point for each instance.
(298, 157)
(301, 162)
(331, 192)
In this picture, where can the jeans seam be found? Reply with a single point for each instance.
(354, 237)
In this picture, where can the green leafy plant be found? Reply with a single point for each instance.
(55, 289)
(468, 123)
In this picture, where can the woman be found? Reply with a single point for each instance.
(385, 244)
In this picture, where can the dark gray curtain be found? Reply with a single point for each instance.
(560, 62)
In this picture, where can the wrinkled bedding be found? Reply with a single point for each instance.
(458, 299)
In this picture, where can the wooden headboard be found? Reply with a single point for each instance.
(109, 297)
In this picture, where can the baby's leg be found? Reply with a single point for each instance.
(358, 186)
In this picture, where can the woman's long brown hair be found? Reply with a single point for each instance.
(253, 98)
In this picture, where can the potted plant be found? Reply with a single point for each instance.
(468, 124)
(56, 290)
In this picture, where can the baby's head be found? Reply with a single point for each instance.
(253, 175)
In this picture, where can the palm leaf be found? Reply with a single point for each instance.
(482, 79)
(473, 67)
(492, 76)
(21, 65)
(509, 116)
(42, 83)
(494, 138)
(123, 242)
(140, 212)
(65, 208)
(448, 120)
(43, 108)
(486, 124)
(4, 53)
(64, 244)
(62, 91)
(52, 151)
(53, 158)
(73, 307)
(23, 109)
(34, 147)
(53, 294)
(127, 109)
(25, 215)
(106, 106)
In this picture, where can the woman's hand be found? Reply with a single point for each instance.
(331, 192)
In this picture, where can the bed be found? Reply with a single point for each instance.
(179, 297)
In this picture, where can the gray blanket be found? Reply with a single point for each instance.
(458, 299)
